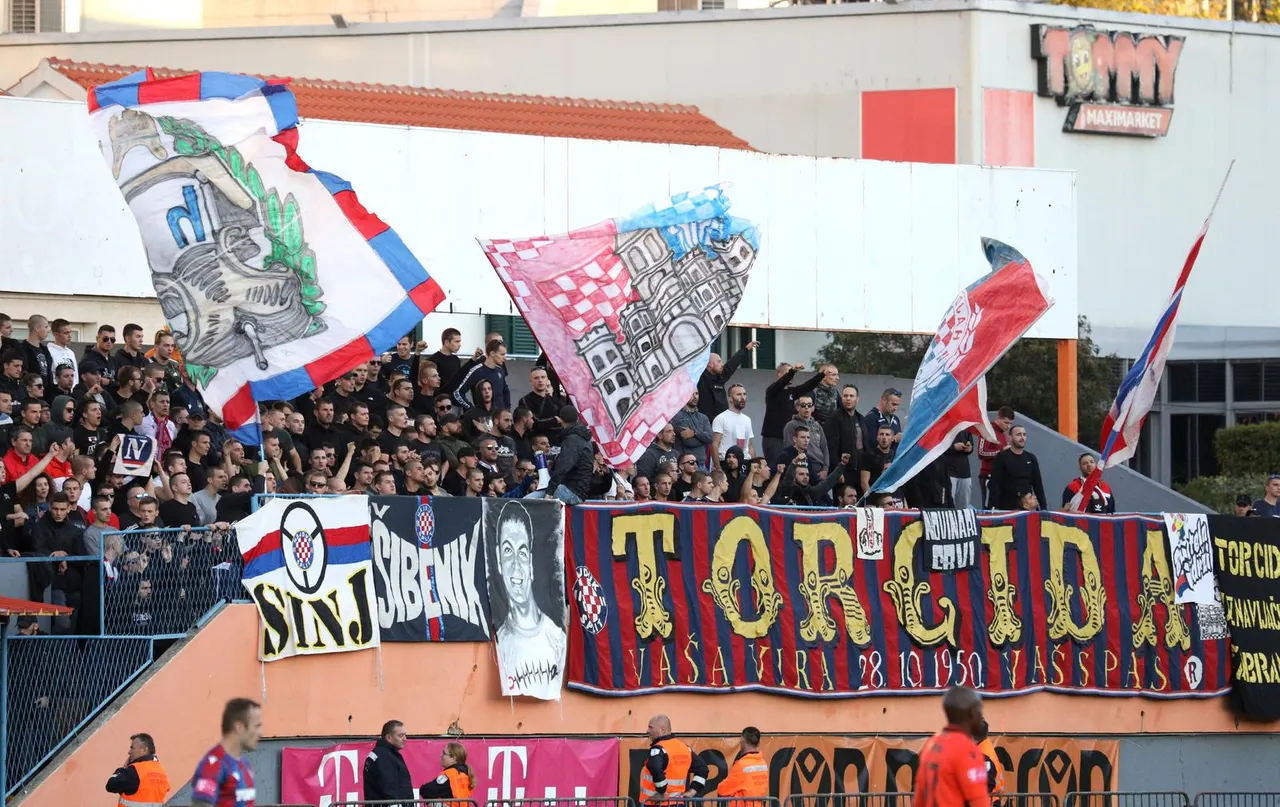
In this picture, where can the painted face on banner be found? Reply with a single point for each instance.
(516, 561)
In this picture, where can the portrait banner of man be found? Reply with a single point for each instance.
(524, 552)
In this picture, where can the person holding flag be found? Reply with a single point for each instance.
(1138, 390)
(950, 391)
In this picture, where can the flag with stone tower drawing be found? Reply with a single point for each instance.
(627, 309)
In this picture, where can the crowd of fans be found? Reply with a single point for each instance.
(413, 423)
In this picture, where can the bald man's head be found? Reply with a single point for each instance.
(659, 727)
(963, 708)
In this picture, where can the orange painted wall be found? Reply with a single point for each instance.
(431, 686)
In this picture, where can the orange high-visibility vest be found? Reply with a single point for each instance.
(153, 786)
(679, 760)
(459, 785)
(747, 777)
(988, 750)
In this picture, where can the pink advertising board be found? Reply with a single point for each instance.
(504, 769)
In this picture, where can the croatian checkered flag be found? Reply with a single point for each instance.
(1138, 390)
(950, 391)
(627, 309)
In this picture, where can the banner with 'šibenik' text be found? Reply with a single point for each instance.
(722, 599)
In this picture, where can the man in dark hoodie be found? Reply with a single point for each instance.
(386, 776)
(571, 473)
(491, 370)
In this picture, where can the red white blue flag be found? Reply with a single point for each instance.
(272, 276)
(1138, 390)
(950, 392)
(627, 309)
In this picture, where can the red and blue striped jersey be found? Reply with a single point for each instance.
(223, 780)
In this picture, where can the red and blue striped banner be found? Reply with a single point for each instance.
(723, 599)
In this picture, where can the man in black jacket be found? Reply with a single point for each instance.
(779, 405)
(843, 431)
(386, 776)
(712, 398)
(571, 473)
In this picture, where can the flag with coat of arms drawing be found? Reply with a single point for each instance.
(274, 279)
(627, 309)
(950, 391)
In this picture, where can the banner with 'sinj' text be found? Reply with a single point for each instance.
(724, 599)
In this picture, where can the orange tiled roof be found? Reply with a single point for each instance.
(471, 111)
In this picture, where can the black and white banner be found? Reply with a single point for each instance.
(1246, 553)
(951, 539)
(429, 569)
(524, 546)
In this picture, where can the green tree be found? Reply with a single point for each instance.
(1026, 378)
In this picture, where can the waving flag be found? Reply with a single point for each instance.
(1138, 390)
(272, 276)
(950, 391)
(627, 309)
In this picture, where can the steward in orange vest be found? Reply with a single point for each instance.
(456, 781)
(748, 777)
(995, 774)
(141, 782)
(672, 768)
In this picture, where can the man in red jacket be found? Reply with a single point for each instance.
(988, 450)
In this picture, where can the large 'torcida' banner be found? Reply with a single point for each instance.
(720, 599)
(811, 764)
(504, 769)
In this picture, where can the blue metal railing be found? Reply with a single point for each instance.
(53, 686)
(167, 579)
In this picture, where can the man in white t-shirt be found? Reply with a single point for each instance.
(732, 427)
(60, 347)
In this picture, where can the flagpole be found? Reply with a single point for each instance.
(1221, 188)
(1081, 500)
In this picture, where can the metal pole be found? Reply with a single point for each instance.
(4, 709)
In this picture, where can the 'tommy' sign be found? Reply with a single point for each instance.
(1112, 82)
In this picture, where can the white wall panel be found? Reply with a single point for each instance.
(793, 243)
(935, 240)
(841, 293)
(887, 246)
(847, 245)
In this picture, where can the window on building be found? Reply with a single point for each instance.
(515, 334)
(735, 337)
(1197, 381)
(598, 362)
(677, 5)
(1191, 451)
(1255, 380)
(33, 16)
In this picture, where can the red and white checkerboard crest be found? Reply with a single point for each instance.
(627, 310)
(425, 521)
(593, 609)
